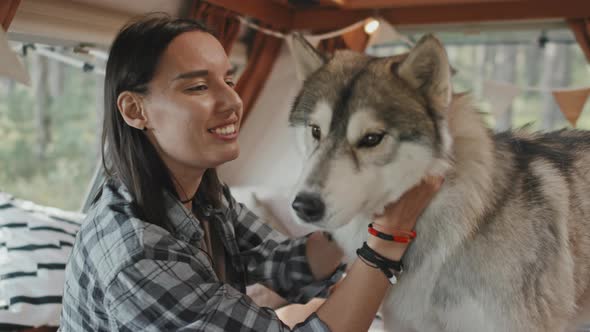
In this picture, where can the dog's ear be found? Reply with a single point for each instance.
(427, 68)
(307, 58)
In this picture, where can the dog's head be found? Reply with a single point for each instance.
(372, 128)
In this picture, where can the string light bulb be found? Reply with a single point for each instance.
(371, 26)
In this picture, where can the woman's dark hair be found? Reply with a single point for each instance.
(127, 154)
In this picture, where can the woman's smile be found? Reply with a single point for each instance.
(226, 132)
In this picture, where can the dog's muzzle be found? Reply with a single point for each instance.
(309, 207)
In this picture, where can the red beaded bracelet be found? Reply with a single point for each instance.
(393, 237)
(382, 228)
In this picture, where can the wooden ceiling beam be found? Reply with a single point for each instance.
(496, 11)
(367, 4)
(267, 11)
(329, 19)
(334, 3)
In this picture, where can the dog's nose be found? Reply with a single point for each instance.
(309, 207)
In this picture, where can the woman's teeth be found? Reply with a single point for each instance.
(227, 130)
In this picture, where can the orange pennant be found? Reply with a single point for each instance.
(571, 102)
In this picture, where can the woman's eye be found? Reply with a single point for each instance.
(200, 87)
(316, 132)
(370, 140)
(231, 83)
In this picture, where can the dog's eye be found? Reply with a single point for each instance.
(370, 140)
(316, 132)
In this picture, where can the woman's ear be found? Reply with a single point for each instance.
(130, 105)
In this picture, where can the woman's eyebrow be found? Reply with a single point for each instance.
(202, 73)
(231, 71)
(192, 74)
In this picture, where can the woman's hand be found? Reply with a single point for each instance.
(403, 215)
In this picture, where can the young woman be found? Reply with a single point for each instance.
(165, 246)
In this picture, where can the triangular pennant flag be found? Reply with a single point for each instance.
(500, 95)
(313, 40)
(386, 33)
(571, 102)
(10, 65)
(302, 53)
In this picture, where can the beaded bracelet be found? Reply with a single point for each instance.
(405, 236)
(392, 269)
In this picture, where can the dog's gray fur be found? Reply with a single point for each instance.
(505, 244)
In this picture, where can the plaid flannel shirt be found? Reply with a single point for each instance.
(128, 275)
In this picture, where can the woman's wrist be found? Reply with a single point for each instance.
(388, 249)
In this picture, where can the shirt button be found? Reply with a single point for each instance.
(207, 210)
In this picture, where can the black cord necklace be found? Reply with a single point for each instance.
(188, 200)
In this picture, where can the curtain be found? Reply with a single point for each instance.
(222, 21)
(263, 53)
(7, 11)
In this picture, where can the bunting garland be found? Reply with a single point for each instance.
(386, 32)
(571, 103)
(501, 94)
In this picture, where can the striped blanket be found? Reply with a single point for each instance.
(35, 243)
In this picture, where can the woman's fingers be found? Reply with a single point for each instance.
(404, 213)
(421, 195)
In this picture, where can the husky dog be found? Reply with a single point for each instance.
(504, 245)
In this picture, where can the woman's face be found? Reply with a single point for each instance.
(192, 109)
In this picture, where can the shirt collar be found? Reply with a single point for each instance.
(183, 222)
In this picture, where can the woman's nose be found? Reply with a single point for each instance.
(230, 101)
